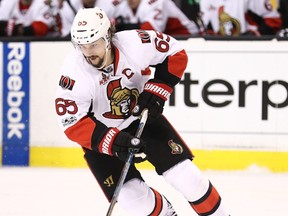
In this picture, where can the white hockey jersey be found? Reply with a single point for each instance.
(84, 91)
(38, 11)
(159, 15)
(230, 17)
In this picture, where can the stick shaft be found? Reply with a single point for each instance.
(144, 116)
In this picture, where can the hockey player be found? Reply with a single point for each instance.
(99, 85)
(241, 17)
(29, 18)
(159, 15)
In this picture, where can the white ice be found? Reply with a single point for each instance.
(74, 192)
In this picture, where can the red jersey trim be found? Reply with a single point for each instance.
(146, 71)
(116, 62)
(274, 23)
(177, 63)
(82, 132)
(40, 28)
(146, 26)
(175, 27)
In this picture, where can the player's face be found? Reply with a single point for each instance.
(94, 52)
(26, 2)
(89, 3)
(133, 4)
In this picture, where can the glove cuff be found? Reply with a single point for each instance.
(160, 89)
(105, 146)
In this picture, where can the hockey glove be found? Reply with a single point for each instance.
(120, 143)
(153, 97)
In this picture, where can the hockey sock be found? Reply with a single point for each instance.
(137, 198)
(162, 206)
(200, 193)
(208, 203)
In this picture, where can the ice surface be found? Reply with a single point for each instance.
(74, 192)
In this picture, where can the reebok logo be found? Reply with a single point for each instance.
(16, 94)
(16, 103)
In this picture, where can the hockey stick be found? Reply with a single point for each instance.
(143, 119)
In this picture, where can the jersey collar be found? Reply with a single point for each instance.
(116, 59)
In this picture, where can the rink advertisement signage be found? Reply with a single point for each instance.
(233, 95)
(15, 138)
(225, 90)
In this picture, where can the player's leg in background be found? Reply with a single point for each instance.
(186, 178)
(171, 157)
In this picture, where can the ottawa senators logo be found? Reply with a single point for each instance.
(122, 100)
(144, 36)
(229, 26)
(176, 148)
(66, 82)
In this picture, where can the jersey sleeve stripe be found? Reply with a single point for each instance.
(117, 56)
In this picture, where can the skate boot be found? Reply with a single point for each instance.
(171, 211)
